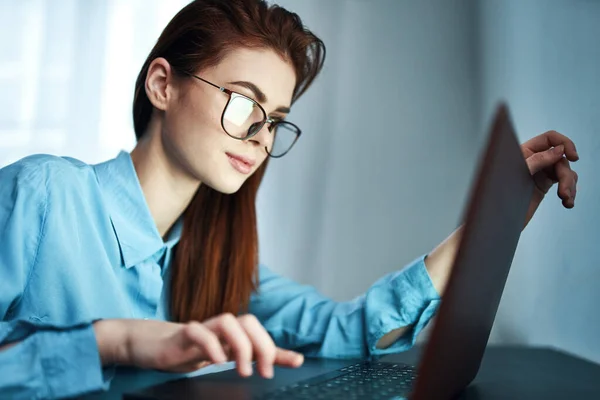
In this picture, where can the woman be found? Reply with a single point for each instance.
(151, 260)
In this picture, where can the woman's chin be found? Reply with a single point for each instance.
(225, 186)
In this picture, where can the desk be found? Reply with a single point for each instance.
(513, 373)
(517, 373)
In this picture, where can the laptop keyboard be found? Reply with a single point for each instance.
(365, 380)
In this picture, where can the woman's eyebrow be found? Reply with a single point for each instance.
(260, 96)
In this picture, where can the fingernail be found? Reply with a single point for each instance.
(248, 369)
(559, 149)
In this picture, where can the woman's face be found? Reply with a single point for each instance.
(192, 134)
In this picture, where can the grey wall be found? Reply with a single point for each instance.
(380, 174)
(543, 56)
(391, 133)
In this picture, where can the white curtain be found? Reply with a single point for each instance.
(67, 72)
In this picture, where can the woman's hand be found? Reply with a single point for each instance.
(548, 157)
(178, 347)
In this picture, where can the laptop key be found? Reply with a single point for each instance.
(360, 381)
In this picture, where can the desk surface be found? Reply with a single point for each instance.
(528, 373)
(506, 373)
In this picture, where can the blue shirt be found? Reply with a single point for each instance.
(78, 244)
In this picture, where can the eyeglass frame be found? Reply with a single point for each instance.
(273, 123)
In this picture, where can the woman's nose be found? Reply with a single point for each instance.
(264, 137)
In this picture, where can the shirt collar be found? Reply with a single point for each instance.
(132, 221)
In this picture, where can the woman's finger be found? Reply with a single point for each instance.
(288, 358)
(566, 182)
(204, 341)
(189, 343)
(263, 346)
(227, 327)
(550, 139)
(563, 175)
(544, 159)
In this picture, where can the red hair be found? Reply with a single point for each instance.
(215, 265)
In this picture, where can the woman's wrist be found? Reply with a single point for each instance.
(440, 261)
(111, 337)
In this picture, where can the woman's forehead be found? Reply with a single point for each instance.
(267, 70)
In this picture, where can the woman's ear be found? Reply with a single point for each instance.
(158, 83)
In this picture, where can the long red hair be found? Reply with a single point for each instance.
(215, 265)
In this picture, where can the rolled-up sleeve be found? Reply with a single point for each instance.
(403, 298)
(299, 317)
(38, 360)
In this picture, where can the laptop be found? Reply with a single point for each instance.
(493, 220)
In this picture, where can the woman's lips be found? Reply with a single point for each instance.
(240, 163)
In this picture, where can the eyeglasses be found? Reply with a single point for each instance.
(243, 118)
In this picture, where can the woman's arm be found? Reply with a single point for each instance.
(439, 266)
(421, 295)
(548, 158)
(46, 359)
(37, 359)
(298, 317)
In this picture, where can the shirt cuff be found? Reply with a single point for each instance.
(404, 298)
(70, 362)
